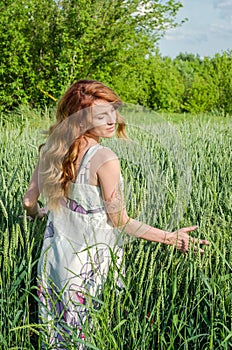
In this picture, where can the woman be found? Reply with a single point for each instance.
(82, 183)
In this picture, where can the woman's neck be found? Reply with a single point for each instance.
(92, 140)
(86, 142)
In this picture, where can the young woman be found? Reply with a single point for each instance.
(82, 183)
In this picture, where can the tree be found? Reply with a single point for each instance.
(208, 82)
(200, 91)
(166, 86)
(48, 44)
(24, 27)
(221, 72)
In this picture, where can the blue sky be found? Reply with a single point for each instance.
(207, 31)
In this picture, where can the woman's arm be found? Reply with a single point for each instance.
(31, 197)
(109, 179)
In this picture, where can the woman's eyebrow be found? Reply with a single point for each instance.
(100, 113)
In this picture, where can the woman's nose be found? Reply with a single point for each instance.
(111, 119)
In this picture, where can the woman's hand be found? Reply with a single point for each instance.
(182, 241)
(39, 213)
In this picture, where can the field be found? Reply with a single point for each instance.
(176, 174)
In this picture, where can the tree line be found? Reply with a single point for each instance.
(189, 83)
(48, 44)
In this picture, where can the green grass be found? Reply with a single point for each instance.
(177, 173)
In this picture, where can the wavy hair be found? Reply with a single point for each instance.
(57, 158)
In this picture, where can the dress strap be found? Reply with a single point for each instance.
(83, 171)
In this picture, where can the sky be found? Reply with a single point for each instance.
(208, 30)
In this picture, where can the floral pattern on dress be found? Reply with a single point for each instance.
(49, 231)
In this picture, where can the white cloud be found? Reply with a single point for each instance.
(223, 9)
(222, 22)
(221, 28)
(223, 4)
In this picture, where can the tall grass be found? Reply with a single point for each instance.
(169, 300)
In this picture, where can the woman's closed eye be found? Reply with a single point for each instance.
(100, 117)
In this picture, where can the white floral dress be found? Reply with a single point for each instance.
(75, 257)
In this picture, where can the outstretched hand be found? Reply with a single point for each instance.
(182, 241)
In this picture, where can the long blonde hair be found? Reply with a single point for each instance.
(57, 157)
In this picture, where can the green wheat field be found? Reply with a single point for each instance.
(177, 172)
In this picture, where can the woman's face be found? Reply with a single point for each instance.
(103, 119)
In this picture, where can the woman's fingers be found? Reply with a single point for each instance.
(197, 240)
(42, 212)
(27, 217)
(183, 240)
(183, 245)
(187, 229)
(196, 249)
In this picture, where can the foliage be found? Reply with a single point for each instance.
(46, 45)
(222, 76)
(166, 86)
(207, 82)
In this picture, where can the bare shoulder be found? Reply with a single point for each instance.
(107, 170)
(104, 160)
(104, 154)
